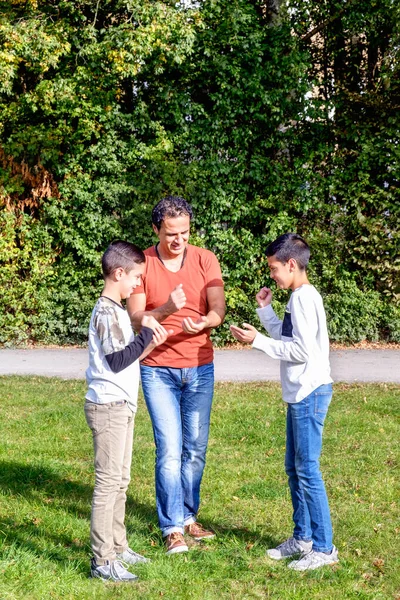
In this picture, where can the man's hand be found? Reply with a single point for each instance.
(176, 300)
(190, 326)
(264, 297)
(246, 335)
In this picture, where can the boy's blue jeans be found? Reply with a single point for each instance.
(179, 403)
(304, 427)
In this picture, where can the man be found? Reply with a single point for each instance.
(183, 289)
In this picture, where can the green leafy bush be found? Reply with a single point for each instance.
(106, 107)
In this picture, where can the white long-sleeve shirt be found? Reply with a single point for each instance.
(300, 342)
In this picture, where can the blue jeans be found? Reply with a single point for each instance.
(179, 403)
(304, 427)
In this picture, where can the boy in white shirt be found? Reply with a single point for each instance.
(301, 343)
(111, 402)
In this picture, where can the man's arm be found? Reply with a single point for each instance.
(136, 305)
(215, 315)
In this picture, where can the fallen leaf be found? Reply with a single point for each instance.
(379, 564)
(249, 546)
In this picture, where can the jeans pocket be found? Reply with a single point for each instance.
(321, 405)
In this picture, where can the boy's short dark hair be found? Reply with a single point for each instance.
(170, 207)
(120, 254)
(290, 245)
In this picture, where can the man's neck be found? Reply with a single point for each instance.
(173, 263)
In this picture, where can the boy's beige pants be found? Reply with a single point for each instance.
(112, 428)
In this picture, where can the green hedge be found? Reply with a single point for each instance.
(106, 107)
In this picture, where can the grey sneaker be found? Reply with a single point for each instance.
(315, 560)
(289, 548)
(111, 571)
(132, 558)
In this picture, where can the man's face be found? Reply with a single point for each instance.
(281, 273)
(130, 280)
(173, 235)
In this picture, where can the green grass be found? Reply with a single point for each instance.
(46, 480)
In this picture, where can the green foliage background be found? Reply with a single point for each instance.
(267, 116)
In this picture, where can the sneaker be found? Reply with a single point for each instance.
(175, 543)
(132, 558)
(314, 560)
(197, 531)
(289, 548)
(111, 571)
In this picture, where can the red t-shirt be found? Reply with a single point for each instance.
(200, 271)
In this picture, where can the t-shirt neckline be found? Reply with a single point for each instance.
(163, 264)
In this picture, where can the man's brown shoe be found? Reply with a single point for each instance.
(175, 543)
(197, 531)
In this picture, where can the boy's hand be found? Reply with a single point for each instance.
(159, 337)
(246, 335)
(149, 321)
(190, 326)
(264, 297)
(177, 299)
(159, 332)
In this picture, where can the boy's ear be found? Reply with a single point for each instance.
(292, 262)
(155, 229)
(118, 273)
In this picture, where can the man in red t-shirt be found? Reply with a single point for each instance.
(182, 288)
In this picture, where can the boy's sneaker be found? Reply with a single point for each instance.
(198, 532)
(132, 558)
(315, 560)
(111, 571)
(289, 548)
(175, 543)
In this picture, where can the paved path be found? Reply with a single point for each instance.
(230, 365)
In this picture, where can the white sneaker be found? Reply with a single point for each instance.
(111, 571)
(314, 560)
(289, 548)
(132, 558)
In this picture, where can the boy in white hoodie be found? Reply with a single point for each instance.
(301, 343)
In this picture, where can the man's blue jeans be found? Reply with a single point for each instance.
(304, 427)
(179, 403)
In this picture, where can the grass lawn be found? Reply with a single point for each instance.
(46, 479)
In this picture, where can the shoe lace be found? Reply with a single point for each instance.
(133, 553)
(289, 545)
(196, 527)
(118, 569)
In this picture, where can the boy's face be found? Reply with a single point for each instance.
(128, 281)
(282, 273)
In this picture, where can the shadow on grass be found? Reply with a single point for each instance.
(248, 537)
(36, 482)
(44, 533)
